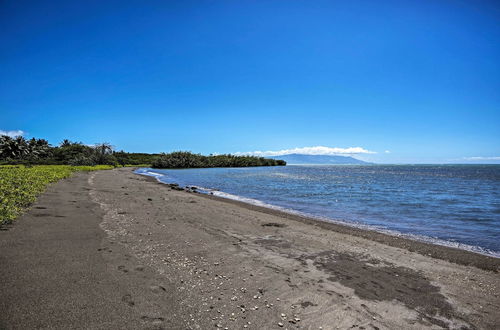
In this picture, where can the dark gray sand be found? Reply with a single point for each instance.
(114, 250)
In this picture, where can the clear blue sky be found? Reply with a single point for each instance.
(420, 79)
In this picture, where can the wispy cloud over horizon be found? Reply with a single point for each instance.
(12, 133)
(318, 150)
(477, 158)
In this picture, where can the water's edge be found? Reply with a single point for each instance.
(255, 202)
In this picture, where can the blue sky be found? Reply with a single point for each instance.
(419, 79)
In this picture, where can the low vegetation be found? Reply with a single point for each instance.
(184, 159)
(20, 185)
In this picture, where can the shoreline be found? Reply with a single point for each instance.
(117, 250)
(448, 253)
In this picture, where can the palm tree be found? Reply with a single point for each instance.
(13, 148)
(102, 152)
(19, 148)
(38, 148)
(65, 143)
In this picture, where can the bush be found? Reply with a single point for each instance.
(184, 159)
(81, 160)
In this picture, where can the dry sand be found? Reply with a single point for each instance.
(115, 250)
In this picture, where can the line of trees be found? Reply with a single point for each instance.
(18, 150)
(185, 159)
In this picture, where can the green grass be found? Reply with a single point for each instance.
(20, 185)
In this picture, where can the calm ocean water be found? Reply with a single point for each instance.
(457, 205)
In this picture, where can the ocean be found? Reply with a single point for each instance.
(453, 205)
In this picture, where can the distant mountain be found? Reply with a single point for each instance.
(297, 159)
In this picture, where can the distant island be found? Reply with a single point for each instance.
(301, 159)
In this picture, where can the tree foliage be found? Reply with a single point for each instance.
(127, 158)
(185, 159)
(19, 150)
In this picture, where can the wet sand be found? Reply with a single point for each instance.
(115, 250)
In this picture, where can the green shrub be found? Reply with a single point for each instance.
(185, 159)
(82, 160)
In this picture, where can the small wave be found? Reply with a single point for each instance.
(148, 172)
(244, 199)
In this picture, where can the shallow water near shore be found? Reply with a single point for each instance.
(453, 205)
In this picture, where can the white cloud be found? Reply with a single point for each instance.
(12, 133)
(482, 158)
(319, 150)
(387, 151)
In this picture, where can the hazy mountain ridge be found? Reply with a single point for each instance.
(292, 159)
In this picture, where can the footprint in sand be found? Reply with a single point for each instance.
(156, 321)
(128, 300)
(157, 289)
(123, 269)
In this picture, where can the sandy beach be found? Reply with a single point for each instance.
(116, 250)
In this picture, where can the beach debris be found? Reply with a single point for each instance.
(273, 224)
